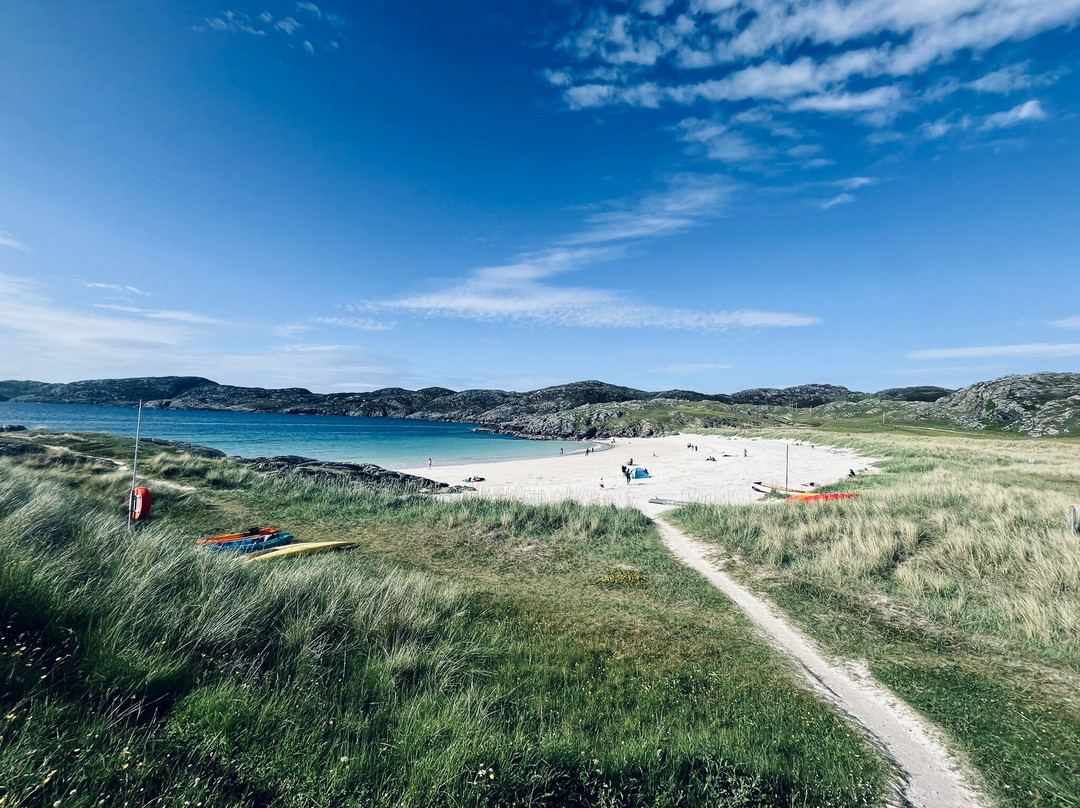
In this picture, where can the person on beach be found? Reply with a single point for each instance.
(626, 474)
(744, 453)
(429, 462)
(560, 451)
(601, 482)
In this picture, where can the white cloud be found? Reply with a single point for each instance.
(986, 351)
(233, 21)
(1028, 111)
(288, 25)
(522, 291)
(63, 340)
(688, 201)
(748, 58)
(854, 183)
(161, 314)
(311, 8)
(266, 17)
(40, 338)
(12, 243)
(309, 48)
(120, 289)
(877, 98)
(720, 142)
(356, 323)
(839, 199)
(1068, 322)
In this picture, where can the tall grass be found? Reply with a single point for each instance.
(470, 653)
(957, 575)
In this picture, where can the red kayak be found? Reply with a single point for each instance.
(250, 533)
(819, 497)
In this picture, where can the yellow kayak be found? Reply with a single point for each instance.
(303, 548)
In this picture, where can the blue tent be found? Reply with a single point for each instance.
(639, 472)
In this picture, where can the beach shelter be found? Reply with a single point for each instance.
(638, 473)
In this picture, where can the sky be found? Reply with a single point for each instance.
(698, 194)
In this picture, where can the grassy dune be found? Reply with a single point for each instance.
(955, 575)
(470, 653)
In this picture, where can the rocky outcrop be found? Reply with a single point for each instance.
(21, 448)
(803, 395)
(926, 393)
(122, 392)
(358, 473)
(12, 428)
(1037, 404)
(184, 446)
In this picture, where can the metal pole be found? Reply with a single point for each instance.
(135, 462)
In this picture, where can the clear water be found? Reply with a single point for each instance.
(393, 443)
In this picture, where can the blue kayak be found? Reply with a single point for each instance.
(251, 544)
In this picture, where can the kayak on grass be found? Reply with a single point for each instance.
(304, 548)
(253, 544)
(819, 497)
(250, 533)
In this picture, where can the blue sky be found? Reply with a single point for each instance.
(710, 194)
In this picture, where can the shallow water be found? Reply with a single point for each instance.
(388, 442)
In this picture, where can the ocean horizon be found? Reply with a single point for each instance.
(393, 443)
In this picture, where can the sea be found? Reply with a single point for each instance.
(393, 443)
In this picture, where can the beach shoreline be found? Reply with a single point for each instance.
(677, 471)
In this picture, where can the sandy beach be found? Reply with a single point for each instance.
(676, 471)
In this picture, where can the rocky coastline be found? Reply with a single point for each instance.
(1040, 404)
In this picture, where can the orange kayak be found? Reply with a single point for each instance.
(250, 533)
(819, 497)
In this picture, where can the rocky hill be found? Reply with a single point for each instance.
(1037, 404)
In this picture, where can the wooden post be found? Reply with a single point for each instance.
(135, 461)
(1073, 519)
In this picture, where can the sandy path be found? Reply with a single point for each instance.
(931, 776)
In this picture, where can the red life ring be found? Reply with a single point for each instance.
(140, 504)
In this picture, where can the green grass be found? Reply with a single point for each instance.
(956, 577)
(469, 653)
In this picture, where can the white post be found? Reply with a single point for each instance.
(787, 460)
(135, 462)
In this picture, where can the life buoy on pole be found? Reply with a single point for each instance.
(140, 504)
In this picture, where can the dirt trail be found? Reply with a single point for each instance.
(932, 776)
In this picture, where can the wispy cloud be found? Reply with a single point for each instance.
(1068, 322)
(786, 60)
(1013, 78)
(321, 27)
(525, 290)
(839, 199)
(690, 368)
(1028, 111)
(12, 243)
(118, 288)
(162, 314)
(988, 351)
(688, 201)
(355, 323)
(38, 336)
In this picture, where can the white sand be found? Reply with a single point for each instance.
(676, 472)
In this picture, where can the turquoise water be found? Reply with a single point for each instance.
(389, 442)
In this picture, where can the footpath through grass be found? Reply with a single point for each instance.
(956, 576)
(471, 653)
